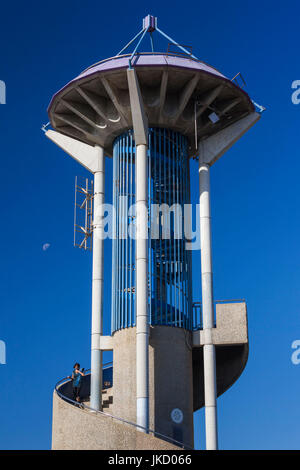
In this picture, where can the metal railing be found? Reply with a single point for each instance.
(197, 312)
(117, 418)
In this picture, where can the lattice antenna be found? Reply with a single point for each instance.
(83, 213)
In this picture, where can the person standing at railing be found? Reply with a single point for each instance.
(76, 381)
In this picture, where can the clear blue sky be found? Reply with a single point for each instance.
(46, 295)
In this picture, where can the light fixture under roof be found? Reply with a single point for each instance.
(214, 118)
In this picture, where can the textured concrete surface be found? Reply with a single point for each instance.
(170, 379)
(231, 325)
(76, 429)
(124, 374)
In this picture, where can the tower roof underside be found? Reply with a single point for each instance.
(177, 92)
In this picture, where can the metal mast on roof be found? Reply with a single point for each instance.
(149, 26)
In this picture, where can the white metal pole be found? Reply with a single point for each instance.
(209, 357)
(142, 325)
(97, 288)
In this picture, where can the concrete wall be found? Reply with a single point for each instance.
(170, 379)
(231, 325)
(76, 429)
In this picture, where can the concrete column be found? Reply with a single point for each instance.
(142, 325)
(140, 129)
(97, 288)
(209, 358)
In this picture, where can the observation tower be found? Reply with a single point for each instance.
(172, 353)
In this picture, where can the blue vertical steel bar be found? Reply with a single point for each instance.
(116, 241)
(126, 225)
(120, 233)
(159, 201)
(164, 242)
(167, 242)
(186, 262)
(112, 321)
(170, 238)
(155, 244)
(133, 256)
(154, 253)
(178, 262)
(118, 238)
(130, 239)
(189, 285)
(123, 229)
(132, 243)
(179, 198)
(178, 242)
(158, 243)
(175, 319)
(161, 287)
(183, 158)
(150, 164)
(180, 250)
(113, 295)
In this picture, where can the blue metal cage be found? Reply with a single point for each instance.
(170, 296)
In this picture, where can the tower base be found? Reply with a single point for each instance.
(77, 429)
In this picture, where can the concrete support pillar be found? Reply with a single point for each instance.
(209, 358)
(142, 323)
(140, 129)
(97, 288)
